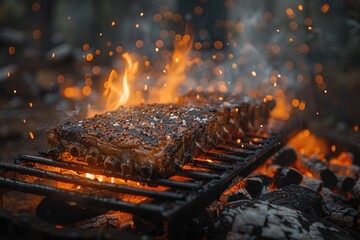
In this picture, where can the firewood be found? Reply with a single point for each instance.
(296, 197)
(356, 190)
(345, 217)
(319, 170)
(312, 183)
(333, 201)
(262, 220)
(241, 194)
(118, 220)
(287, 156)
(284, 176)
(267, 180)
(352, 170)
(253, 186)
(345, 183)
(59, 211)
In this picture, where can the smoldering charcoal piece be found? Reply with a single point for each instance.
(284, 176)
(241, 194)
(356, 190)
(253, 186)
(312, 183)
(345, 183)
(263, 220)
(345, 217)
(296, 197)
(155, 137)
(319, 170)
(285, 157)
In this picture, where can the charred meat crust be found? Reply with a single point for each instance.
(155, 139)
(143, 139)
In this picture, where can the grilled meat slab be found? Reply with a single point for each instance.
(242, 114)
(144, 139)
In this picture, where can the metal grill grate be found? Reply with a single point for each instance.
(206, 180)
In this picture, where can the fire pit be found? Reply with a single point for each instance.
(177, 120)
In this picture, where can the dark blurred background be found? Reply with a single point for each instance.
(55, 56)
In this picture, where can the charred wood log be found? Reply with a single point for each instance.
(253, 185)
(356, 190)
(333, 201)
(312, 183)
(118, 220)
(345, 217)
(296, 197)
(59, 211)
(352, 170)
(345, 183)
(287, 156)
(263, 220)
(319, 170)
(241, 194)
(284, 176)
(267, 180)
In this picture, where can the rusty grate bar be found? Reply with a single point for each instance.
(237, 151)
(118, 188)
(197, 174)
(94, 170)
(210, 165)
(224, 157)
(90, 199)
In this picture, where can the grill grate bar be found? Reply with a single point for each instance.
(94, 170)
(96, 201)
(210, 165)
(119, 188)
(246, 146)
(224, 157)
(197, 174)
(238, 151)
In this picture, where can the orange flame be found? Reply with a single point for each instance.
(117, 89)
(175, 72)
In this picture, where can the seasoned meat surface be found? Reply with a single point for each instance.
(144, 139)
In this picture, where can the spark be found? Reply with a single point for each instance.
(141, 14)
(8, 74)
(53, 55)
(30, 104)
(137, 25)
(253, 73)
(277, 30)
(100, 34)
(69, 17)
(113, 23)
(24, 121)
(14, 90)
(31, 134)
(145, 87)
(325, 91)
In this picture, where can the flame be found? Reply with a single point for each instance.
(175, 72)
(117, 89)
(344, 159)
(309, 145)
